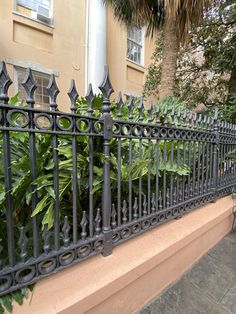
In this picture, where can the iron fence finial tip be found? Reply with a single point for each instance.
(106, 86)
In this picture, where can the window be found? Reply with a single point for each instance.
(135, 44)
(37, 9)
(41, 93)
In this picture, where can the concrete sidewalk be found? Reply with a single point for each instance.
(208, 287)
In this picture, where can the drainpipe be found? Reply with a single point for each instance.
(96, 43)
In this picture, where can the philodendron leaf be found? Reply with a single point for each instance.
(6, 301)
(2, 197)
(41, 205)
(49, 165)
(48, 217)
(18, 297)
(50, 191)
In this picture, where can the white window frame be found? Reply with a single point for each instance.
(34, 10)
(135, 43)
(42, 105)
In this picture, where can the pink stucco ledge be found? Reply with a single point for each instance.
(136, 271)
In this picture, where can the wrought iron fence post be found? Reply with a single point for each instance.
(106, 89)
(5, 83)
(215, 155)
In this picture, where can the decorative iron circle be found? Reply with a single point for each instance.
(125, 233)
(161, 217)
(168, 214)
(199, 136)
(45, 124)
(163, 132)
(183, 134)
(22, 115)
(25, 275)
(47, 266)
(147, 131)
(126, 129)
(145, 224)
(66, 258)
(194, 135)
(170, 133)
(181, 209)
(175, 211)
(137, 130)
(203, 136)
(177, 133)
(155, 132)
(83, 125)
(98, 245)
(5, 282)
(189, 135)
(115, 237)
(116, 128)
(98, 127)
(153, 221)
(64, 123)
(136, 228)
(84, 250)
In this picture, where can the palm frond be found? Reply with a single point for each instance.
(152, 13)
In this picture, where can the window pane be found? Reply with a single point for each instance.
(134, 44)
(37, 9)
(41, 93)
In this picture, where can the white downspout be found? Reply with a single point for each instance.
(96, 45)
(86, 46)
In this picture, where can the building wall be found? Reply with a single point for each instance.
(59, 49)
(62, 48)
(126, 76)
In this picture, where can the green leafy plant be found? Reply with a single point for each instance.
(6, 302)
(21, 177)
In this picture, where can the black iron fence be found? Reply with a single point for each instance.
(77, 184)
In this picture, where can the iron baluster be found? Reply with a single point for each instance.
(153, 203)
(141, 111)
(22, 242)
(73, 95)
(157, 153)
(113, 216)
(131, 108)
(66, 231)
(98, 220)
(107, 90)
(135, 208)
(144, 205)
(119, 105)
(150, 119)
(30, 87)
(83, 225)
(90, 99)
(124, 212)
(5, 83)
(203, 166)
(53, 92)
(164, 174)
(215, 154)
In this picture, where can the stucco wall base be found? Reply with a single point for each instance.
(136, 271)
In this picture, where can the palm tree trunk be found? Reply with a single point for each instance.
(232, 84)
(169, 59)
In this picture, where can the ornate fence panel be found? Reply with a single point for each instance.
(75, 185)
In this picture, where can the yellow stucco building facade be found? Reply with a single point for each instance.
(72, 39)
